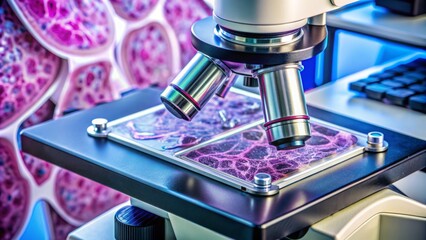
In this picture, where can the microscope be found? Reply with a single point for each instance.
(264, 42)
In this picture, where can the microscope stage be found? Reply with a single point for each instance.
(208, 202)
(226, 142)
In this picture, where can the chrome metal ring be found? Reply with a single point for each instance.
(251, 41)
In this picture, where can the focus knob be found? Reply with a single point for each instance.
(132, 223)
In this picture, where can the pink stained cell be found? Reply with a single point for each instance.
(61, 228)
(181, 15)
(89, 85)
(84, 199)
(133, 10)
(247, 153)
(44, 113)
(14, 193)
(27, 69)
(39, 169)
(70, 26)
(147, 56)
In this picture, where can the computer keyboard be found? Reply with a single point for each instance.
(403, 85)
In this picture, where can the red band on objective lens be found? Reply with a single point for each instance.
(185, 94)
(288, 118)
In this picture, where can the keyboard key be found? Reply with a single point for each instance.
(398, 70)
(399, 96)
(358, 86)
(376, 91)
(392, 84)
(371, 80)
(407, 80)
(418, 88)
(382, 76)
(420, 61)
(411, 66)
(421, 70)
(417, 75)
(418, 103)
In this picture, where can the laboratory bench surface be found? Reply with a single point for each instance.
(209, 203)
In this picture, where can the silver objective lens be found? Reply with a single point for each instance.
(194, 86)
(284, 107)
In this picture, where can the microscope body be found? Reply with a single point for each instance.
(263, 41)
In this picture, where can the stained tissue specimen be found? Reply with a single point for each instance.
(162, 131)
(133, 10)
(26, 68)
(14, 193)
(71, 26)
(181, 15)
(83, 199)
(61, 228)
(89, 85)
(39, 169)
(247, 153)
(147, 56)
(44, 113)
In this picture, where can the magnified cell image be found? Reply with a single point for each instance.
(27, 69)
(69, 26)
(39, 169)
(146, 55)
(14, 193)
(61, 228)
(70, 44)
(88, 85)
(247, 153)
(133, 10)
(181, 15)
(162, 131)
(84, 199)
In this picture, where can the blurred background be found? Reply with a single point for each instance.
(59, 57)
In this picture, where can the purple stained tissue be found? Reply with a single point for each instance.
(162, 131)
(247, 153)
(83, 26)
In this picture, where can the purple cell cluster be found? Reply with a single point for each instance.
(83, 26)
(247, 153)
(62, 227)
(133, 10)
(89, 85)
(39, 169)
(81, 198)
(26, 68)
(162, 131)
(44, 113)
(146, 55)
(181, 15)
(82, 33)
(14, 193)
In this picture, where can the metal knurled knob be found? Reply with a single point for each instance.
(132, 223)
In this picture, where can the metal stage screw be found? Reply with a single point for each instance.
(376, 142)
(98, 128)
(262, 180)
(99, 124)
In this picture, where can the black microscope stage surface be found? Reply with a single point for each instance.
(209, 203)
